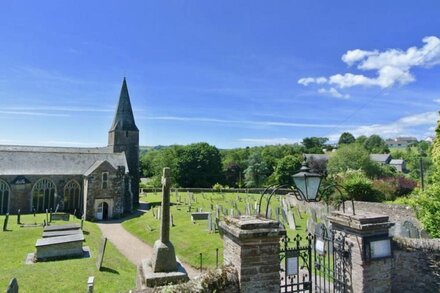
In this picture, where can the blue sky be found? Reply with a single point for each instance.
(231, 73)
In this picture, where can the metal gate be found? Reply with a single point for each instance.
(318, 263)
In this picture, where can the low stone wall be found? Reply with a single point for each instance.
(229, 190)
(220, 280)
(416, 265)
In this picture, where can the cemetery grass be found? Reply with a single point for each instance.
(190, 239)
(118, 274)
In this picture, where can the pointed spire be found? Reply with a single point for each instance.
(124, 119)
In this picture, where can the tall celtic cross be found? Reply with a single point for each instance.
(165, 224)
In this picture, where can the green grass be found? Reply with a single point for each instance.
(191, 239)
(71, 275)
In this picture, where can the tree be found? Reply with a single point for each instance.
(233, 174)
(285, 168)
(314, 145)
(198, 165)
(346, 138)
(361, 139)
(352, 157)
(376, 145)
(257, 170)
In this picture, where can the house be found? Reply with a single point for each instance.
(382, 159)
(400, 142)
(398, 164)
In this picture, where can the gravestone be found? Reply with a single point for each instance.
(59, 247)
(57, 207)
(154, 214)
(209, 223)
(248, 209)
(18, 217)
(172, 221)
(199, 216)
(410, 230)
(13, 286)
(101, 252)
(158, 214)
(313, 214)
(47, 216)
(5, 222)
(310, 225)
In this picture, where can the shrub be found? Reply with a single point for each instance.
(217, 187)
(427, 206)
(387, 188)
(359, 187)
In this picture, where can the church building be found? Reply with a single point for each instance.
(100, 183)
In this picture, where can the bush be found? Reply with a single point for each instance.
(359, 187)
(387, 188)
(427, 206)
(217, 187)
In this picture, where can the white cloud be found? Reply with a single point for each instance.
(334, 93)
(404, 126)
(269, 141)
(392, 66)
(308, 80)
(240, 122)
(436, 101)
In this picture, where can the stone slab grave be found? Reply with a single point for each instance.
(13, 286)
(59, 247)
(61, 233)
(199, 216)
(62, 227)
(60, 217)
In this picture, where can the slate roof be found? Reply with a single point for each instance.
(316, 156)
(380, 158)
(36, 160)
(124, 119)
(396, 162)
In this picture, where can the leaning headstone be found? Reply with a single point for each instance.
(57, 207)
(5, 223)
(13, 286)
(47, 216)
(100, 257)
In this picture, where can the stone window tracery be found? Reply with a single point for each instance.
(72, 196)
(43, 195)
(4, 197)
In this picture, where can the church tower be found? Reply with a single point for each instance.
(124, 137)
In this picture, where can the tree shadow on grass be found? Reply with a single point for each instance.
(109, 270)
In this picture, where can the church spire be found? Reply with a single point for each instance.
(124, 119)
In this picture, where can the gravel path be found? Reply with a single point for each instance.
(130, 246)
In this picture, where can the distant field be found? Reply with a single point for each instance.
(190, 239)
(60, 276)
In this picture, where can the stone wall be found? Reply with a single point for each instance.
(21, 193)
(220, 280)
(113, 194)
(416, 265)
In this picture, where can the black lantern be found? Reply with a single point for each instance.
(307, 183)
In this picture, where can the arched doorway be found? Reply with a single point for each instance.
(72, 196)
(43, 195)
(102, 211)
(4, 197)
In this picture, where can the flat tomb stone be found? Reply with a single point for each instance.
(59, 247)
(60, 216)
(200, 216)
(61, 233)
(62, 227)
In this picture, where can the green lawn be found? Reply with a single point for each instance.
(191, 239)
(118, 274)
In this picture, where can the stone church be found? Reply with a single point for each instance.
(101, 183)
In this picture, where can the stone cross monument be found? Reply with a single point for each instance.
(163, 268)
(164, 258)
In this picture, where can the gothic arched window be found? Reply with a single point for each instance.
(43, 195)
(72, 196)
(4, 197)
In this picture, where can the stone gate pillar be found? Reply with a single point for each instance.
(370, 254)
(252, 246)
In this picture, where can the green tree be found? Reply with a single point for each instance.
(427, 206)
(285, 168)
(376, 145)
(361, 139)
(346, 138)
(198, 165)
(257, 171)
(314, 145)
(352, 157)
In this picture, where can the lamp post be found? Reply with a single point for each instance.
(307, 183)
